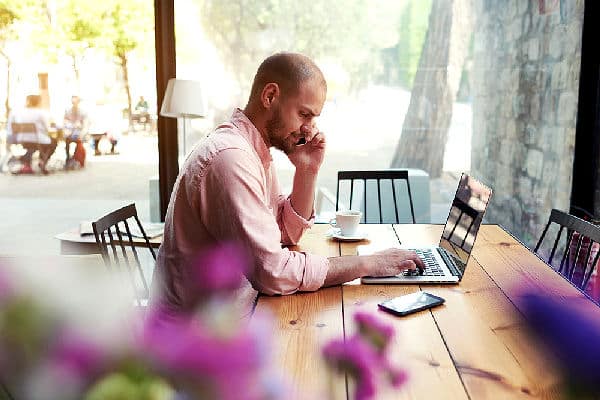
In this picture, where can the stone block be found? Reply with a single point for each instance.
(567, 108)
(534, 163)
(525, 187)
(549, 107)
(534, 107)
(560, 73)
(533, 49)
(557, 43)
(531, 134)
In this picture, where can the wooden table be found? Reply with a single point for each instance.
(473, 347)
(72, 243)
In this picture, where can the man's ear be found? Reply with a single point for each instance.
(269, 94)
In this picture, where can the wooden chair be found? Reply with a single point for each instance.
(115, 241)
(389, 180)
(577, 262)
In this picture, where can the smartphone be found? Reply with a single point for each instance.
(410, 303)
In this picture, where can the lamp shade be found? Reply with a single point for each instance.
(183, 98)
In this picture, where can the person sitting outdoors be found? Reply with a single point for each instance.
(29, 127)
(142, 106)
(75, 126)
(227, 190)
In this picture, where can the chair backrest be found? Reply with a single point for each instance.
(363, 182)
(579, 251)
(115, 241)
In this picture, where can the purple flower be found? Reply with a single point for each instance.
(77, 355)
(374, 331)
(358, 359)
(571, 336)
(186, 350)
(220, 268)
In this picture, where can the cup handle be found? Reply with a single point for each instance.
(332, 222)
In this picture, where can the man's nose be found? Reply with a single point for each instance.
(307, 129)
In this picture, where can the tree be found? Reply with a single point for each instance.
(425, 129)
(351, 33)
(76, 27)
(7, 18)
(130, 21)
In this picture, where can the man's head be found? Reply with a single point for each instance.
(75, 101)
(33, 101)
(287, 94)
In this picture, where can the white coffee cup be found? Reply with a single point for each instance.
(347, 221)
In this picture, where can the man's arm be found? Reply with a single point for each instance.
(307, 159)
(384, 263)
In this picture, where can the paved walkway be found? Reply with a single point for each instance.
(34, 208)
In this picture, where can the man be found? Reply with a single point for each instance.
(75, 123)
(227, 190)
(29, 127)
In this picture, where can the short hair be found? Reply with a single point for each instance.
(33, 100)
(288, 71)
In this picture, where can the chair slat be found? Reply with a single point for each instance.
(575, 258)
(114, 230)
(378, 176)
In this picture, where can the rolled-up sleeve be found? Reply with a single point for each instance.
(235, 206)
(291, 224)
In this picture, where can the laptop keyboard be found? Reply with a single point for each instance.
(432, 268)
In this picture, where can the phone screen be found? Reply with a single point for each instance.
(411, 303)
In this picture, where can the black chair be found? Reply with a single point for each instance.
(388, 179)
(115, 241)
(577, 265)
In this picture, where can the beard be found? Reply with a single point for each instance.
(274, 127)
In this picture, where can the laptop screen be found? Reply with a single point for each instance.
(464, 219)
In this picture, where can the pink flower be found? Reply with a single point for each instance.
(374, 331)
(219, 366)
(220, 268)
(356, 358)
(77, 355)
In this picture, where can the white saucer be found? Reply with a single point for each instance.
(359, 235)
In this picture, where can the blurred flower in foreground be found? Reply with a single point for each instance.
(220, 268)
(572, 337)
(363, 356)
(51, 348)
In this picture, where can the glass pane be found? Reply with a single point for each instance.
(443, 87)
(91, 67)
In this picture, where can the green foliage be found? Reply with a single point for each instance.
(130, 26)
(7, 16)
(349, 33)
(412, 31)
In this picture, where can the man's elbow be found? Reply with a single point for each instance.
(272, 284)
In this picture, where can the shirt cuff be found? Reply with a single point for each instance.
(292, 217)
(315, 272)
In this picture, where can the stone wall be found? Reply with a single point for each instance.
(525, 85)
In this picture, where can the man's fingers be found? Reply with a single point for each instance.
(318, 139)
(408, 264)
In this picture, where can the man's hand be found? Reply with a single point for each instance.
(388, 262)
(308, 157)
(392, 262)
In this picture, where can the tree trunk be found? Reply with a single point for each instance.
(425, 129)
(76, 71)
(7, 102)
(125, 69)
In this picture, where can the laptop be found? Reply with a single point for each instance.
(446, 262)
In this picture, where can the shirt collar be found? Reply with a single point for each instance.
(247, 128)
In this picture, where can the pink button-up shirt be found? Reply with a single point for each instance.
(227, 190)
